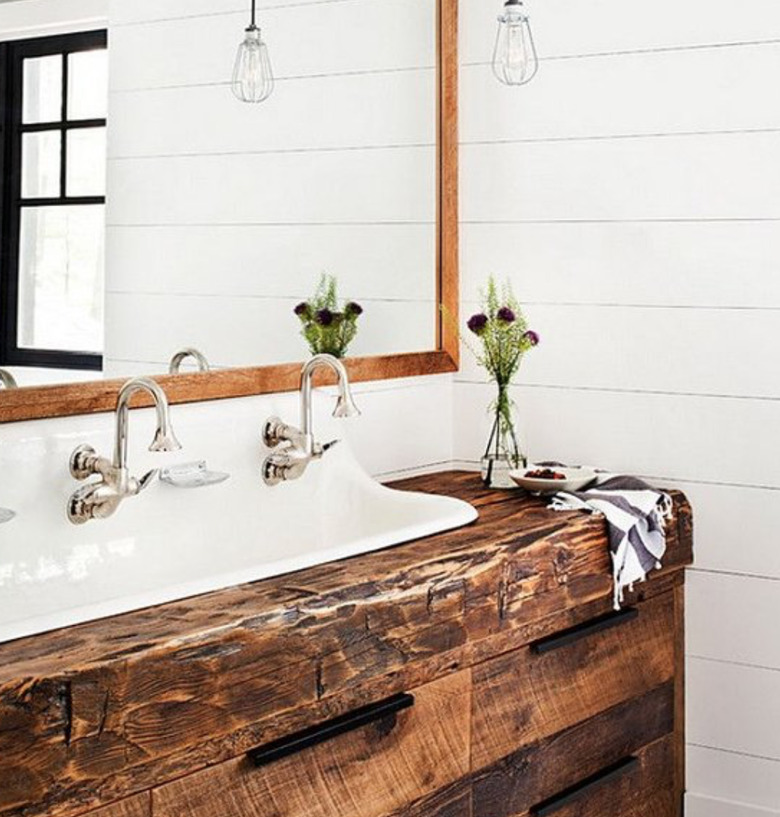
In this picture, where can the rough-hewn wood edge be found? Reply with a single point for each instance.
(37, 403)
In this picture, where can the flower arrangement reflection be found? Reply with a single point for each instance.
(327, 328)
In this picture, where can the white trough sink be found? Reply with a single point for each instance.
(170, 543)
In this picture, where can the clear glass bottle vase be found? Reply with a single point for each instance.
(503, 452)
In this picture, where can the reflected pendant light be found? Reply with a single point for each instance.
(253, 79)
(514, 59)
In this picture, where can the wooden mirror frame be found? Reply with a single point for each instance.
(40, 402)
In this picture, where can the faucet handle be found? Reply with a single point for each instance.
(83, 462)
(147, 479)
(320, 449)
(276, 432)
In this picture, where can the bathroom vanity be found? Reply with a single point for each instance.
(480, 672)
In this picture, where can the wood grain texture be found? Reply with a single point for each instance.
(448, 216)
(523, 697)
(540, 770)
(642, 792)
(100, 396)
(679, 707)
(375, 771)
(138, 806)
(97, 712)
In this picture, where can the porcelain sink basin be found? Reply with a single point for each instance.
(222, 538)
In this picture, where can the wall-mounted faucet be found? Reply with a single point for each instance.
(100, 499)
(183, 354)
(7, 380)
(296, 448)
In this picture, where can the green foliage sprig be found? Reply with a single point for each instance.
(326, 328)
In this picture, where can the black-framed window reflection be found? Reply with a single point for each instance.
(52, 227)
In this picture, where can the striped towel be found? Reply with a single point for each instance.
(636, 514)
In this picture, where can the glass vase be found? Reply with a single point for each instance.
(502, 452)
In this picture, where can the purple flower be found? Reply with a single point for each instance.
(353, 308)
(506, 315)
(477, 323)
(531, 337)
(324, 317)
(302, 309)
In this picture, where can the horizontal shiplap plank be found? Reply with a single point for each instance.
(697, 805)
(141, 12)
(730, 264)
(396, 108)
(607, 347)
(386, 261)
(657, 435)
(564, 28)
(733, 778)
(734, 707)
(395, 185)
(38, 18)
(249, 332)
(303, 39)
(736, 529)
(732, 618)
(656, 92)
(677, 177)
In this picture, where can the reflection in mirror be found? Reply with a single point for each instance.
(162, 214)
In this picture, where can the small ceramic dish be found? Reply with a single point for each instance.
(575, 479)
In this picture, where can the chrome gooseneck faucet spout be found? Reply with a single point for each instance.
(296, 448)
(100, 499)
(183, 354)
(7, 380)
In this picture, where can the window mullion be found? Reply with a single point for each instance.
(63, 132)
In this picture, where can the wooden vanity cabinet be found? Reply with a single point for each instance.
(478, 673)
(581, 722)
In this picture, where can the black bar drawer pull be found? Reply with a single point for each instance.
(579, 790)
(299, 741)
(596, 625)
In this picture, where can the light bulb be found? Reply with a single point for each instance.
(253, 79)
(514, 59)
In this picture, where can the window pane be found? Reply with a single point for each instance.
(61, 278)
(41, 164)
(87, 162)
(42, 90)
(88, 85)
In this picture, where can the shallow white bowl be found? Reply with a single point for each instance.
(576, 479)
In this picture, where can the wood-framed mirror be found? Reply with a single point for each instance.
(399, 89)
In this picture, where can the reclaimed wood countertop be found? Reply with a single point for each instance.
(99, 711)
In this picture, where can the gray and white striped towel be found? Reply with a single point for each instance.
(636, 514)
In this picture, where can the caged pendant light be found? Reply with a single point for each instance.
(515, 61)
(253, 79)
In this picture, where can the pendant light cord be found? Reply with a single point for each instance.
(254, 14)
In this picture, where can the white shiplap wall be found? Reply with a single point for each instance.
(631, 194)
(222, 215)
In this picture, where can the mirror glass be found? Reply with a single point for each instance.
(148, 211)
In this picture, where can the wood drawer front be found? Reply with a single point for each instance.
(638, 787)
(544, 769)
(525, 696)
(375, 770)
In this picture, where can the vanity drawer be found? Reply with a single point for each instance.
(526, 696)
(385, 759)
(635, 786)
